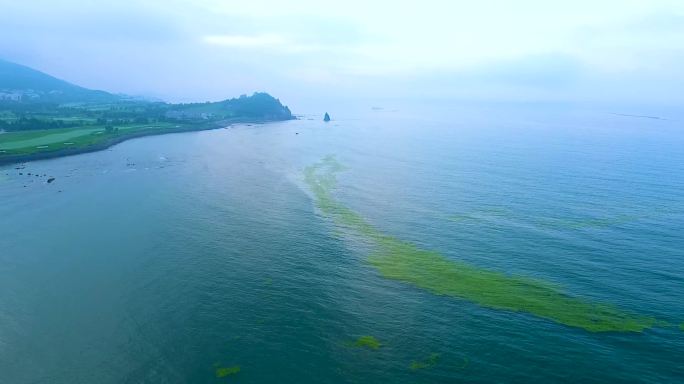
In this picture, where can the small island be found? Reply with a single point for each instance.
(43, 117)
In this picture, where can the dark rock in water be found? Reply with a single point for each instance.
(50, 180)
(326, 117)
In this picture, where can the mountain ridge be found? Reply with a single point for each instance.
(21, 83)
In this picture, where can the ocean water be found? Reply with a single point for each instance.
(167, 258)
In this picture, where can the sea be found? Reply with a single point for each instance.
(204, 257)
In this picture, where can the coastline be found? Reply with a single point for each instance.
(22, 158)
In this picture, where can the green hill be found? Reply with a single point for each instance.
(259, 105)
(42, 116)
(22, 84)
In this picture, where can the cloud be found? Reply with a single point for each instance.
(270, 43)
(259, 41)
(214, 48)
(87, 22)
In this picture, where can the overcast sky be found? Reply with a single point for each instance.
(308, 51)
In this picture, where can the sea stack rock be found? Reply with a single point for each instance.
(326, 117)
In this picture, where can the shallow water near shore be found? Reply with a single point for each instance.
(178, 258)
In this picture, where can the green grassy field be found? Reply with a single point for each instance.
(46, 129)
(30, 142)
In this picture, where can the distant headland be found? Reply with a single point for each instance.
(43, 117)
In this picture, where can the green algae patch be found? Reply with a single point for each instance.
(429, 362)
(576, 223)
(482, 214)
(459, 218)
(681, 327)
(227, 371)
(369, 342)
(402, 261)
(588, 223)
(464, 365)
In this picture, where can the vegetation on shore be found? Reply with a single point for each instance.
(41, 130)
(41, 116)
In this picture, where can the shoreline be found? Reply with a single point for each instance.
(105, 144)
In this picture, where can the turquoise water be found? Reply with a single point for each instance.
(167, 258)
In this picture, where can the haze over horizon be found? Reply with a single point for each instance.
(309, 53)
